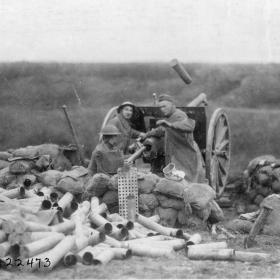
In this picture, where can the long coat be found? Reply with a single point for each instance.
(105, 160)
(127, 131)
(180, 147)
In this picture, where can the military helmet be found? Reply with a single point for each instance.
(126, 103)
(110, 129)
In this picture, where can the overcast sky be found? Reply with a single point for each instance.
(140, 30)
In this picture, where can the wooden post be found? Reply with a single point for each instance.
(249, 241)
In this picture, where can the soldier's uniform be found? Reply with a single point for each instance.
(106, 159)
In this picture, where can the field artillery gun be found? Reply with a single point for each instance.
(214, 142)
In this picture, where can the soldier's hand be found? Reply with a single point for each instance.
(163, 123)
(127, 163)
(142, 136)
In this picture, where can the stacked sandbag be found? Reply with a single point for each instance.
(3, 164)
(147, 182)
(98, 185)
(6, 177)
(147, 200)
(34, 151)
(111, 199)
(148, 203)
(41, 169)
(168, 216)
(49, 178)
(187, 200)
(272, 224)
(262, 177)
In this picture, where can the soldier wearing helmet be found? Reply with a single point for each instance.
(123, 122)
(107, 157)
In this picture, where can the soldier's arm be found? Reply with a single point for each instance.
(183, 124)
(156, 132)
(134, 133)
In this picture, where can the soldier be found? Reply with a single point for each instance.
(123, 122)
(107, 157)
(180, 147)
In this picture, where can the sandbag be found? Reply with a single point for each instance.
(202, 214)
(21, 166)
(110, 198)
(147, 202)
(168, 216)
(198, 195)
(182, 217)
(33, 151)
(276, 173)
(113, 186)
(147, 183)
(61, 162)
(3, 164)
(42, 163)
(216, 213)
(26, 152)
(49, 177)
(167, 202)
(171, 188)
(76, 172)
(6, 177)
(98, 184)
(195, 223)
(242, 226)
(68, 184)
(5, 155)
(276, 186)
(272, 225)
(256, 161)
(264, 175)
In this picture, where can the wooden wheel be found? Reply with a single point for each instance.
(218, 151)
(111, 113)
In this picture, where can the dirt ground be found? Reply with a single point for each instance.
(178, 266)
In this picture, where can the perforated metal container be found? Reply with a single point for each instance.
(127, 185)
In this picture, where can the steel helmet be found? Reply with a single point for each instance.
(126, 103)
(110, 129)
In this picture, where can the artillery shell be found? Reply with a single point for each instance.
(210, 254)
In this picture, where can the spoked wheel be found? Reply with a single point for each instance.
(218, 151)
(111, 113)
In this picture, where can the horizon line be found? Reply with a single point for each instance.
(136, 62)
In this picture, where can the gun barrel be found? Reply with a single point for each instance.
(200, 100)
(137, 154)
(181, 71)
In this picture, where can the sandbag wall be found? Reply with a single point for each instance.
(177, 202)
(262, 178)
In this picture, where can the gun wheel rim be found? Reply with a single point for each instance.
(110, 114)
(218, 148)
